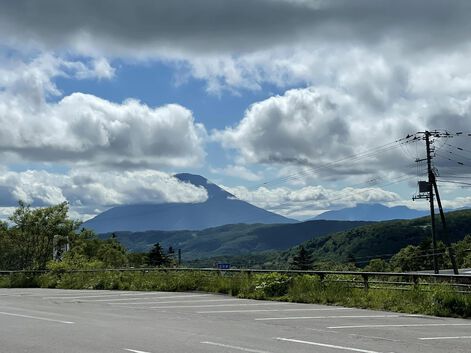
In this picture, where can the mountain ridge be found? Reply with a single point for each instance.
(371, 212)
(219, 209)
(232, 239)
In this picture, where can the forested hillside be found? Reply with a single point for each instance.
(381, 240)
(232, 239)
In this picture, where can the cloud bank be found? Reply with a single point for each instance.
(85, 129)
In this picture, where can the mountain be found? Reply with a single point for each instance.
(232, 239)
(382, 239)
(220, 208)
(371, 212)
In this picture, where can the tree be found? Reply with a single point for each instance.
(377, 265)
(157, 256)
(112, 253)
(302, 260)
(463, 252)
(35, 232)
(419, 258)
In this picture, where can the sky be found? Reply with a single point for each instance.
(297, 106)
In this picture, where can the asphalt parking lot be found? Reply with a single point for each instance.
(51, 320)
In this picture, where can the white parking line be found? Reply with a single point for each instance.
(134, 351)
(88, 296)
(243, 349)
(267, 310)
(445, 338)
(36, 318)
(213, 305)
(150, 294)
(149, 298)
(326, 317)
(178, 301)
(404, 325)
(325, 345)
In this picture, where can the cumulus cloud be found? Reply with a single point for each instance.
(87, 129)
(90, 191)
(335, 132)
(310, 200)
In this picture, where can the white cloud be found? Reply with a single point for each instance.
(237, 171)
(322, 128)
(310, 200)
(87, 129)
(89, 191)
(99, 68)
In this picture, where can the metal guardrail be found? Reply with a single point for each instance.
(391, 280)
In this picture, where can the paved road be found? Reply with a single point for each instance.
(50, 320)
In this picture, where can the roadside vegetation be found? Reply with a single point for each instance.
(47, 240)
(436, 299)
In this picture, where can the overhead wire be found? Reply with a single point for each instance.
(354, 157)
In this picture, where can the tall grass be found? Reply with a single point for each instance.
(433, 300)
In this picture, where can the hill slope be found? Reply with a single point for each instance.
(371, 212)
(381, 239)
(234, 239)
(220, 208)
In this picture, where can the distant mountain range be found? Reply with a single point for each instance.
(232, 239)
(220, 208)
(361, 244)
(371, 212)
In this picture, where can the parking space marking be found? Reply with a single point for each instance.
(88, 296)
(243, 349)
(327, 317)
(445, 338)
(102, 295)
(326, 345)
(268, 310)
(372, 337)
(149, 298)
(213, 305)
(394, 325)
(134, 351)
(178, 301)
(36, 317)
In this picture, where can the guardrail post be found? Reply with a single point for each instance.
(365, 281)
(322, 278)
(415, 279)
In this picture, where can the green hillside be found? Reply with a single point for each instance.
(381, 240)
(233, 239)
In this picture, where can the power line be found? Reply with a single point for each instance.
(354, 157)
(455, 182)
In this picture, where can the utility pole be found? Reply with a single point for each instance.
(430, 197)
(426, 191)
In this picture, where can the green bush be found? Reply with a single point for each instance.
(446, 302)
(272, 285)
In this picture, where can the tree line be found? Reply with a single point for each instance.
(42, 238)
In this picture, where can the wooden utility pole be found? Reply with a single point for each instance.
(430, 197)
(426, 191)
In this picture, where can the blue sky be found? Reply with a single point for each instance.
(296, 106)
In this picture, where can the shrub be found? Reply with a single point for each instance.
(272, 284)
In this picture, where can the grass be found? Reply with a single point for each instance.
(436, 300)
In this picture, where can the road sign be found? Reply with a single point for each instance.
(224, 266)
